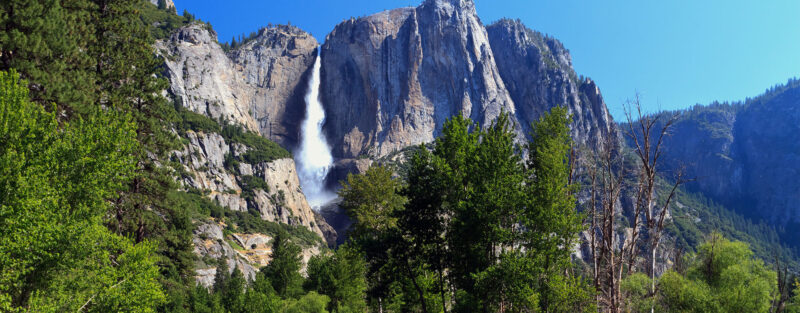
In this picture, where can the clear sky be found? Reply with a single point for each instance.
(673, 53)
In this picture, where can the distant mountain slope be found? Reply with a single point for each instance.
(745, 155)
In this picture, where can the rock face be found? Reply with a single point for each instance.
(391, 79)
(247, 252)
(260, 84)
(537, 71)
(744, 155)
(276, 64)
(169, 3)
(284, 202)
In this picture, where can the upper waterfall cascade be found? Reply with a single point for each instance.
(314, 157)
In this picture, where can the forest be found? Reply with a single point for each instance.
(92, 218)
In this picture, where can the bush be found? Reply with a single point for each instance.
(250, 184)
(260, 149)
(251, 222)
(196, 122)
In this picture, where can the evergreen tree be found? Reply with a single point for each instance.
(162, 4)
(283, 270)
(423, 222)
(36, 43)
(233, 295)
(341, 277)
(221, 277)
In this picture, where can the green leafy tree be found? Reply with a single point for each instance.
(794, 304)
(310, 302)
(423, 221)
(550, 218)
(371, 200)
(723, 277)
(57, 179)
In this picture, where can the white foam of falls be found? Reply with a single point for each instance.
(314, 157)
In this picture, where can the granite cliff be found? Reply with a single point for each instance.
(391, 79)
(260, 84)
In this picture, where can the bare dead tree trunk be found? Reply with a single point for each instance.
(606, 185)
(641, 133)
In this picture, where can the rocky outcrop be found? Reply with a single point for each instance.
(537, 71)
(283, 202)
(260, 84)
(391, 79)
(169, 4)
(276, 65)
(202, 77)
(247, 252)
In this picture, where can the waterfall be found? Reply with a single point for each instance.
(314, 157)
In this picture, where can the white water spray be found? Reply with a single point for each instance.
(314, 157)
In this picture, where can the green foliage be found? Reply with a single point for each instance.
(341, 277)
(723, 277)
(371, 200)
(234, 292)
(196, 122)
(684, 295)
(251, 222)
(162, 22)
(282, 270)
(56, 180)
(794, 303)
(35, 43)
(473, 228)
(636, 292)
(195, 204)
(697, 216)
(311, 302)
(250, 184)
(259, 150)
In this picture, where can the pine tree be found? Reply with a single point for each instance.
(341, 277)
(34, 41)
(233, 295)
(283, 270)
(221, 277)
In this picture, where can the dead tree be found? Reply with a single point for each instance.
(647, 134)
(606, 176)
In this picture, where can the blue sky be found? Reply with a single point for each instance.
(673, 53)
